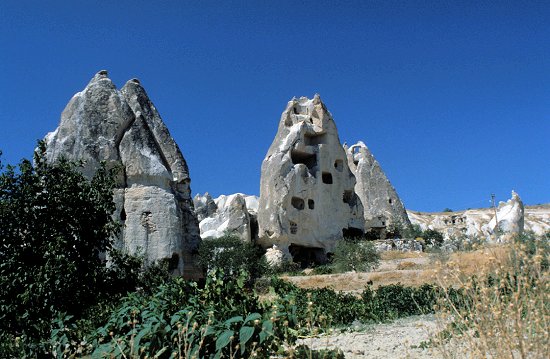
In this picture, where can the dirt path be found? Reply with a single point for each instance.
(393, 340)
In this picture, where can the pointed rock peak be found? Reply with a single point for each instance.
(308, 111)
(317, 98)
(101, 77)
(133, 87)
(134, 84)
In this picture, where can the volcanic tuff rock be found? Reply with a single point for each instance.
(508, 220)
(512, 218)
(307, 196)
(381, 203)
(231, 217)
(153, 200)
(205, 206)
(232, 214)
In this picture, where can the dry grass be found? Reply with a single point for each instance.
(507, 314)
(390, 255)
(406, 265)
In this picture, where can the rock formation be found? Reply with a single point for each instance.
(232, 214)
(508, 220)
(230, 217)
(381, 203)
(512, 218)
(205, 206)
(153, 200)
(307, 198)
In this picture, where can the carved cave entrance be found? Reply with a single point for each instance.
(307, 256)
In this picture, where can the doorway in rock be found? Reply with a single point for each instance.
(351, 232)
(307, 256)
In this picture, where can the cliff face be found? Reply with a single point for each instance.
(153, 197)
(307, 196)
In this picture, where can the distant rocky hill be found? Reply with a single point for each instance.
(481, 221)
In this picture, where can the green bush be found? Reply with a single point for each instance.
(223, 319)
(375, 305)
(433, 237)
(54, 223)
(354, 255)
(229, 255)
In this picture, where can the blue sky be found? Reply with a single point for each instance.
(452, 97)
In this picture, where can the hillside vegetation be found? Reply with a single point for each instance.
(60, 299)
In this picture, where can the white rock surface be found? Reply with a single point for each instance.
(382, 206)
(307, 195)
(231, 217)
(512, 216)
(509, 219)
(153, 200)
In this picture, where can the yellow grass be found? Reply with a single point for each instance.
(508, 312)
(406, 265)
(389, 255)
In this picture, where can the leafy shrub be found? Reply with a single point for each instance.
(221, 319)
(355, 255)
(323, 269)
(375, 305)
(286, 267)
(433, 237)
(53, 224)
(229, 255)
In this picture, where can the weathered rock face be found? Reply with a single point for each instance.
(233, 214)
(509, 219)
(381, 203)
(205, 206)
(230, 217)
(307, 196)
(154, 197)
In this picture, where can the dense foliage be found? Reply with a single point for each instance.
(355, 255)
(374, 305)
(230, 255)
(55, 229)
(54, 223)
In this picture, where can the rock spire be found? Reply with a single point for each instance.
(307, 196)
(381, 203)
(153, 198)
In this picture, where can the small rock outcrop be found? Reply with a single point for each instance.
(307, 197)
(228, 214)
(509, 220)
(382, 206)
(231, 217)
(153, 197)
(205, 206)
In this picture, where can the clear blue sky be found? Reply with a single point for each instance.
(453, 98)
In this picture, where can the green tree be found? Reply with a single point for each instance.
(54, 224)
(229, 255)
(355, 255)
(433, 237)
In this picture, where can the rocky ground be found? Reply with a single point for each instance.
(399, 339)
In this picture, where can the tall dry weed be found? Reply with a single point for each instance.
(505, 310)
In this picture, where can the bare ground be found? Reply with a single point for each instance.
(401, 338)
